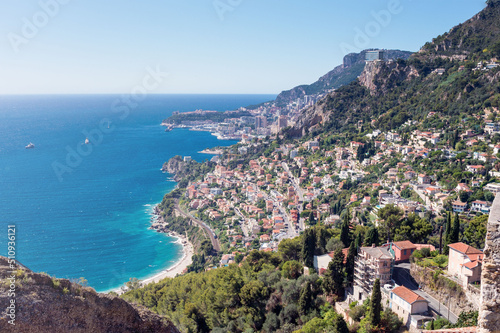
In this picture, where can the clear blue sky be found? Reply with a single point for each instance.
(260, 46)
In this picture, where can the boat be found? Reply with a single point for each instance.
(87, 141)
(30, 146)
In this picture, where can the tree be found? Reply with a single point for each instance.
(305, 299)
(334, 244)
(308, 247)
(345, 233)
(350, 261)
(455, 230)
(372, 237)
(291, 269)
(390, 216)
(447, 233)
(358, 242)
(464, 196)
(375, 304)
(475, 233)
(334, 275)
(340, 326)
(289, 249)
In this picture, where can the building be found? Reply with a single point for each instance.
(282, 122)
(371, 263)
(374, 55)
(409, 306)
(424, 179)
(464, 262)
(321, 262)
(459, 206)
(260, 121)
(480, 206)
(493, 188)
(401, 251)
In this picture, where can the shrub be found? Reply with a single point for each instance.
(426, 252)
(417, 254)
(441, 260)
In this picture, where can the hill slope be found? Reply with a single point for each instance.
(387, 94)
(48, 305)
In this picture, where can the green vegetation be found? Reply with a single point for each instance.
(216, 117)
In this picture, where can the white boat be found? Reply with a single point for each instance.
(30, 146)
(87, 141)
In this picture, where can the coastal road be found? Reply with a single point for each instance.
(402, 277)
(211, 234)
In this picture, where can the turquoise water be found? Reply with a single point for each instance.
(84, 210)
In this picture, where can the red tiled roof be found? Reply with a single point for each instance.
(408, 295)
(404, 245)
(464, 248)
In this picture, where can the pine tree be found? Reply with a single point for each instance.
(305, 299)
(345, 233)
(375, 304)
(349, 265)
(308, 247)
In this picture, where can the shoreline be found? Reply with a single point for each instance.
(179, 266)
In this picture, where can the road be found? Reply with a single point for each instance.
(211, 234)
(401, 275)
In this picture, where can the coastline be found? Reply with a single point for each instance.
(159, 224)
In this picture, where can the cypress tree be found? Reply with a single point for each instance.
(371, 237)
(334, 276)
(340, 326)
(358, 242)
(345, 235)
(455, 230)
(447, 233)
(375, 304)
(305, 299)
(308, 247)
(349, 265)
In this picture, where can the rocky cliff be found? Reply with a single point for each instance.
(489, 312)
(174, 167)
(341, 75)
(38, 303)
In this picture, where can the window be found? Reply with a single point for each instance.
(404, 252)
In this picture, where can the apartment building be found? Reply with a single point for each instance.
(371, 263)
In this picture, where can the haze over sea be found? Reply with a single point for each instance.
(93, 222)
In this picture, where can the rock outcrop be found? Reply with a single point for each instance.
(489, 312)
(38, 303)
(174, 166)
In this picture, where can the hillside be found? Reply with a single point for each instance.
(476, 39)
(48, 305)
(387, 94)
(341, 75)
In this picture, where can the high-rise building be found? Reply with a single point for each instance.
(260, 121)
(282, 121)
(374, 55)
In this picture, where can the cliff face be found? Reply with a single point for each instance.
(174, 166)
(48, 305)
(489, 313)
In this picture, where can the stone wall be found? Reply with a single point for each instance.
(489, 312)
(445, 290)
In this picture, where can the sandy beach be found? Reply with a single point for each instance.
(173, 271)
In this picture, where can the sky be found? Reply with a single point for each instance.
(202, 46)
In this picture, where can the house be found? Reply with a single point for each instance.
(464, 262)
(226, 260)
(408, 305)
(401, 251)
(410, 174)
(459, 206)
(424, 179)
(475, 168)
(480, 206)
(493, 188)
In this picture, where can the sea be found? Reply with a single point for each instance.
(83, 210)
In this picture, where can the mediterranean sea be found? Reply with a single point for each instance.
(84, 210)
